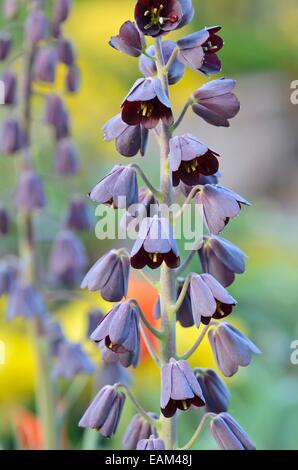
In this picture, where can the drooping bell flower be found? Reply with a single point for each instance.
(73, 80)
(137, 430)
(184, 315)
(119, 331)
(12, 137)
(148, 66)
(222, 259)
(219, 206)
(147, 104)
(216, 103)
(78, 215)
(9, 268)
(209, 299)
(119, 189)
(71, 361)
(30, 192)
(54, 110)
(45, 65)
(199, 50)
(157, 17)
(231, 348)
(129, 40)
(109, 275)
(155, 245)
(68, 258)
(36, 27)
(129, 140)
(216, 394)
(25, 301)
(4, 220)
(66, 52)
(190, 159)
(62, 127)
(9, 80)
(153, 443)
(179, 388)
(228, 434)
(186, 190)
(61, 10)
(5, 45)
(67, 158)
(104, 412)
(95, 316)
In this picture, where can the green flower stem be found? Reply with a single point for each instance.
(187, 261)
(189, 198)
(175, 307)
(183, 112)
(167, 276)
(149, 346)
(156, 333)
(171, 60)
(139, 170)
(193, 349)
(200, 428)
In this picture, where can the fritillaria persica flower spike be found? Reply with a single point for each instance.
(119, 189)
(25, 301)
(156, 17)
(228, 434)
(151, 444)
(12, 137)
(129, 40)
(104, 412)
(219, 206)
(30, 193)
(209, 299)
(119, 331)
(148, 66)
(109, 275)
(5, 45)
(199, 50)
(154, 245)
(78, 215)
(215, 391)
(129, 139)
(147, 104)
(222, 259)
(180, 388)
(137, 430)
(10, 86)
(189, 159)
(216, 103)
(4, 220)
(231, 348)
(71, 360)
(36, 27)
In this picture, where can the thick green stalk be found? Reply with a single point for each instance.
(167, 276)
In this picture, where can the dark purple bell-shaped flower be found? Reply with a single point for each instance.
(216, 394)
(25, 301)
(4, 220)
(147, 104)
(78, 215)
(130, 140)
(216, 103)
(137, 430)
(129, 40)
(104, 412)
(30, 192)
(153, 443)
(67, 158)
(119, 189)
(155, 245)
(68, 258)
(157, 17)
(46, 64)
(8, 275)
(189, 159)
(148, 66)
(109, 275)
(228, 434)
(95, 316)
(73, 80)
(5, 45)
(180, 388)
(9, 80)
(231, 348)
(119, 331)
(36, 27)
(54, 110)
(209, 299)
(71, 361)
(66, 52)
(199, 50)
(184, 315)
(186, 190)
(222, 259)
(61, 10)
(11, 137)
(11, 8)
(62, 128)
(219, 206)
